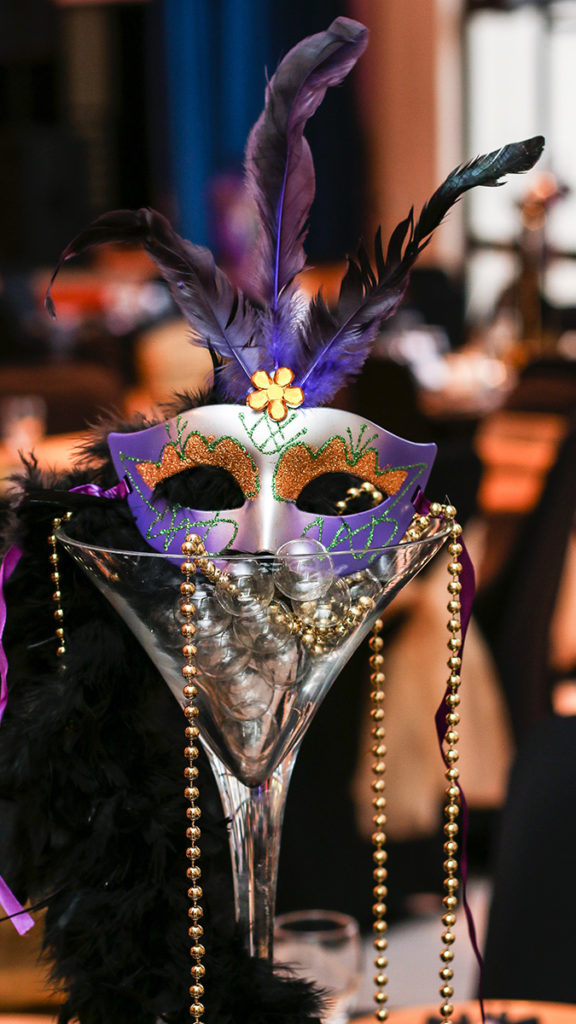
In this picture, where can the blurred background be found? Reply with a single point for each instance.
(119, 104)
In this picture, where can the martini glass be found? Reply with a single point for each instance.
(268, 650)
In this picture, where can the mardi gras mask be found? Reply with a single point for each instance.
(272, 464)
(279, 356)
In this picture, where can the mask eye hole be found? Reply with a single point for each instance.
(321, 495)
(206, 488)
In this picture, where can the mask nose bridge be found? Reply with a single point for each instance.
(263, 510)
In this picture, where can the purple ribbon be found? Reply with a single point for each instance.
(15, 912)
(20, 918)
(120, 490)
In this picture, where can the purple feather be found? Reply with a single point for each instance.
(280, 171)
(337, 344)
(324, 348)
(220, 316)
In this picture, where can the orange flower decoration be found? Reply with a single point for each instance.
(274, 395)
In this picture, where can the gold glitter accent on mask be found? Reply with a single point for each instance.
(300, 464)
(274, 394)
(198, 451)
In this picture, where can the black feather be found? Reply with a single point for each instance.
(488, 170)
(93, 814)
(220, 316)
(336, 345)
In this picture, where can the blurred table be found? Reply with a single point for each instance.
(53, 452)
(516, 1011)
(27, 1018)
(517, 449)
(545, 1013)
(464, 385)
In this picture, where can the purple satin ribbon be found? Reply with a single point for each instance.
(20, 918)
(422, 506)
(120, 490)
(15, 912)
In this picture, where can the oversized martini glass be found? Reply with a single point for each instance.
(269, 648)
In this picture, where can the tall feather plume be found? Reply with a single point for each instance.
(219, 315)
(280, 171)
(337, 344)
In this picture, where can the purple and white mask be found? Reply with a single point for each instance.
(312, 351)
(272, 463)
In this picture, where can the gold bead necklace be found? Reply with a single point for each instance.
(418, 527)
(55, 577)
(192, 547)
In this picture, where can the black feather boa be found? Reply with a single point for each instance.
(92, 811)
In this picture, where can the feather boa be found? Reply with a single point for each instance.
(92, 806)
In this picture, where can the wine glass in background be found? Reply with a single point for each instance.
(323, 946)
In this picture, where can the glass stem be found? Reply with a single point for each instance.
(255, 816)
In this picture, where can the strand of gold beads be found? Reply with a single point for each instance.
(316, 640)
(192, 547)
(366, 487)
(418, 528)
(55, 577)
(380, 855)
(452, 792)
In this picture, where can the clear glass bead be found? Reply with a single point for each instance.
(211, 618)
(305, 569)
(363, 584)
(246, 589)
(266, 630)
(285, 666)
(248, 694)
(221, 656)
(328, 611)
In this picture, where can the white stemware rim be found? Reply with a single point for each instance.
(263, 557)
